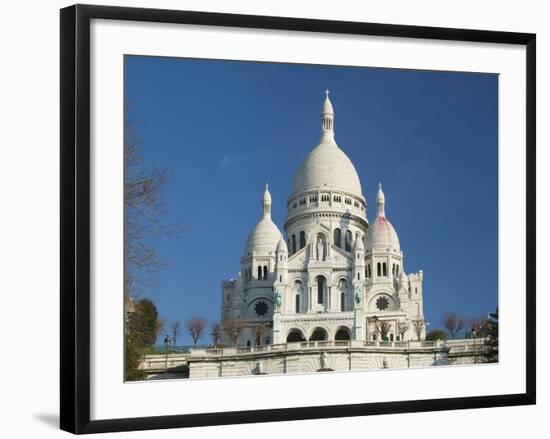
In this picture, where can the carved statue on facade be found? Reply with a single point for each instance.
(278, 299)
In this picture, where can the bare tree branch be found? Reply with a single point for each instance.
(195, 326)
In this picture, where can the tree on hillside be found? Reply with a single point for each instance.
(143, 219)
(233, 328)
(142, 328)
(143, 213)
(195, 326)
(436, 334)
(453, 323)
(260, 331)
(402, 327)
(478, 326)
(418, 326)
(383, 328)
(176, 329)
(216, 333)
(492, 337)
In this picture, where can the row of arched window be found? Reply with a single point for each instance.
(327, 123)
(321, 287)
(261, 273)
(348, 238)
(381, 270)
(293, 245)
(325, 198)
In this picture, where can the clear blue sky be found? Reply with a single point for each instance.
(222, 129)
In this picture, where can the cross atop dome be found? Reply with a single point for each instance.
(327, 92)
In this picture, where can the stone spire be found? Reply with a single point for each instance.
(327, 119)
(380, 202)
(267, 202)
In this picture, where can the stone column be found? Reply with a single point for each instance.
(359, 333)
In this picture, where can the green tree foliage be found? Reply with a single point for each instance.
(142, 327)
(436, 334)
(143, 323)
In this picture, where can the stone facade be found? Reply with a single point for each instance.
(334, 277)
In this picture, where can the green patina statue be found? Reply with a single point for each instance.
(278, 299)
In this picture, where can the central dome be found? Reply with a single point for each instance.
(327, 167)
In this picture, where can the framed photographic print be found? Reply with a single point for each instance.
(286, 218)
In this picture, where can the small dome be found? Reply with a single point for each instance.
(281, 247)
(381, 234)
(263, 239)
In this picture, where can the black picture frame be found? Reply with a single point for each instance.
(75, 217)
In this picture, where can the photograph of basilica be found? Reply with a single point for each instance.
(330, 291)
(294, 259)
(335, 277)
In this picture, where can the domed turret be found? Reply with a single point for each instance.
(381, 234)
(282, 247)
(263, 239)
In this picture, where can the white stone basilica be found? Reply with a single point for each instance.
(335, 277)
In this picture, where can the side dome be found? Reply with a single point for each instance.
(281, 246)
(265, 236)
(327, 166)
(381, 234)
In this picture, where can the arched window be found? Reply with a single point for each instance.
(319, 334)
(342, 334)
(297, 304)
(293, 243)
(342, 301)
(348, 240)
(379, 269)
(259, 272)
(397, 270)
(320, 288)
(338, 238)
(391, 337)
(384, 269)
(374, 337)
(369, 272)
(302, 239)
(295, 335)
(265, 272)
